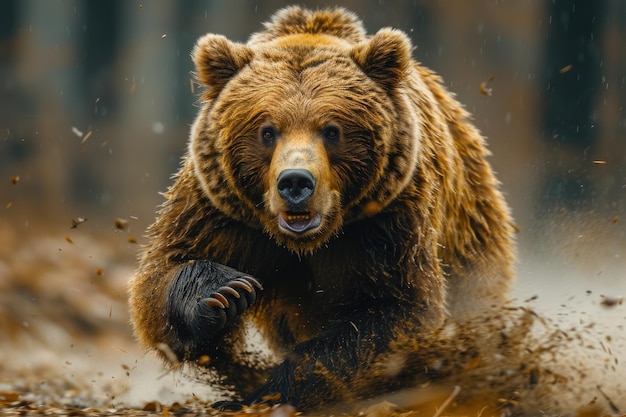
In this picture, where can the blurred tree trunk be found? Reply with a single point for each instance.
(572, 78)
(612, 104)
(146, 121)
(45, 75)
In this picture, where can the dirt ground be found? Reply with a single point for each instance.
(67, 347)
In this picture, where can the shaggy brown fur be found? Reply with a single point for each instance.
(340, 174)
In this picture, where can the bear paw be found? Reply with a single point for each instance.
(234, 297)
(225, 303)
(203, 298)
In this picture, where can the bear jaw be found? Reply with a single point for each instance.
(299, 222)
(303, 232)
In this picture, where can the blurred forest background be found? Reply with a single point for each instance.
(97, 96)
(96, 100)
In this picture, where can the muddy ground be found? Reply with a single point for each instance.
(67, 348)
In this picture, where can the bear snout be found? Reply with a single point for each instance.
(295, 187)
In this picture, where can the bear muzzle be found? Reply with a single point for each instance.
(296, 187)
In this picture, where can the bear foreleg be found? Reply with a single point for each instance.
(342, 364)
(203, 300)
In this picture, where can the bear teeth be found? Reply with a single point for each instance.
(299, 221)
(291, 217)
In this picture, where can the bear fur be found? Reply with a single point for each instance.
(334, 195)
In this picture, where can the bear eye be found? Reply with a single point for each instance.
(268, 134)
(331, 133)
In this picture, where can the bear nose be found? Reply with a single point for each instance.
(296, 186)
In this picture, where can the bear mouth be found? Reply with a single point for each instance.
(299, 221)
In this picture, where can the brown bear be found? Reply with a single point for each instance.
(336, 197)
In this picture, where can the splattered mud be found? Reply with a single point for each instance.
(67, 348)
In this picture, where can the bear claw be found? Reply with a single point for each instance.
(254, 281)
(240, 283)
(221, 298)
(214, 302)
(229, 299)
(228, 288)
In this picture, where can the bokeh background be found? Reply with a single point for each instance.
(96, 100)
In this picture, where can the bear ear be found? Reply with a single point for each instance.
(385, 57)
(217, 60)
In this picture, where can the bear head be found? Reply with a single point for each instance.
(305, 128)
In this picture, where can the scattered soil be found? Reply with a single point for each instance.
(67, 347)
